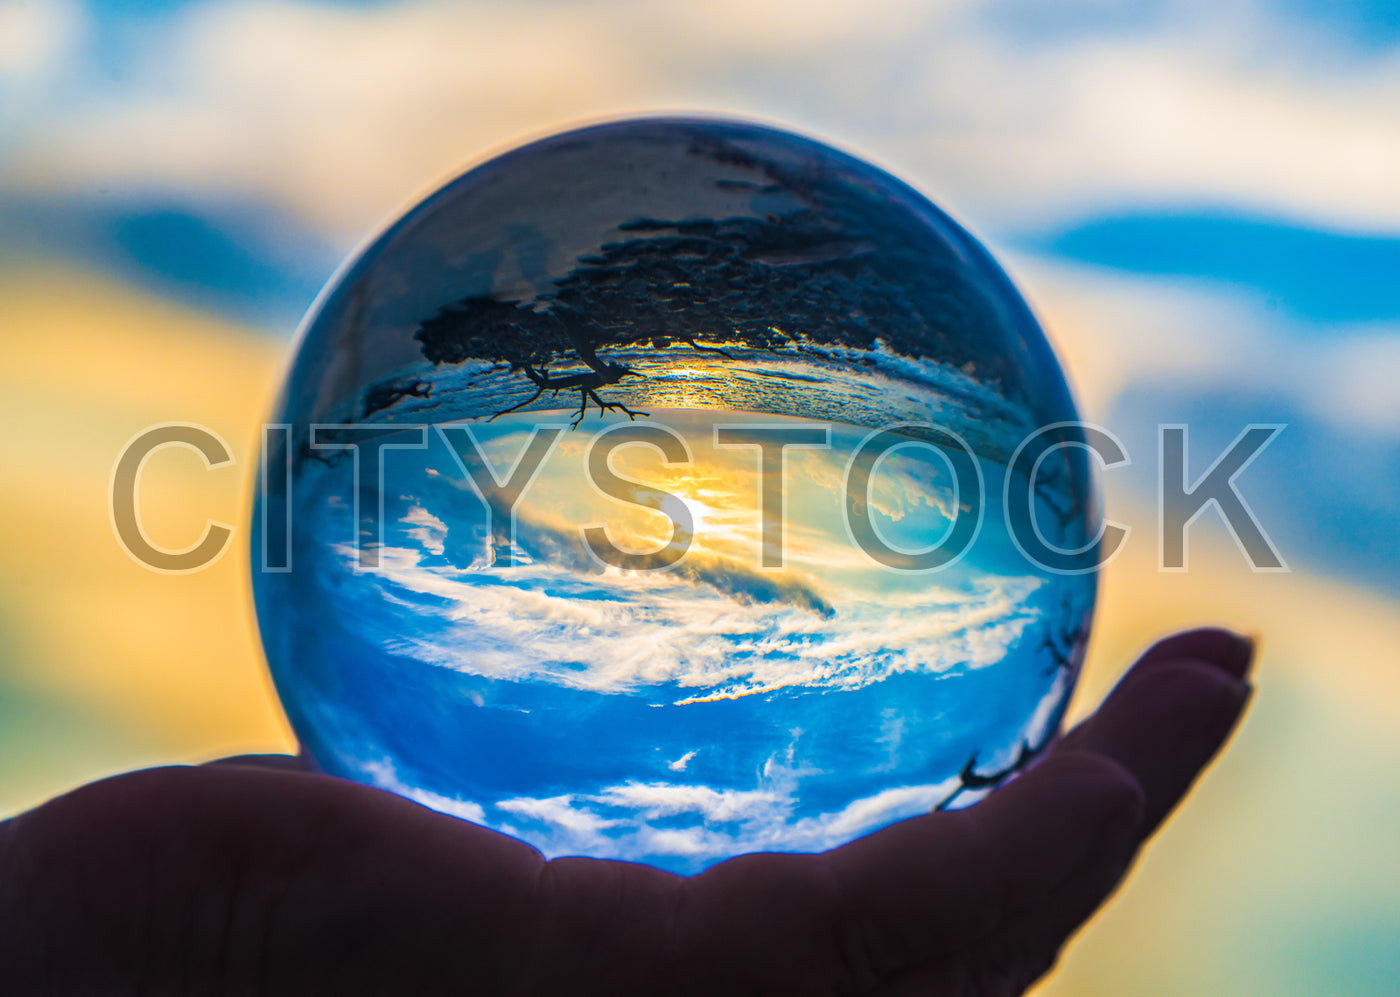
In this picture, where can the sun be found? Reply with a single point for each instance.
(699, 513)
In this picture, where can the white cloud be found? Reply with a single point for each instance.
(1041, 726)
(1173, 117)
(659, 799)
(723, 822)
(381, 772)
(559, 811)
(865, 815)
(619, 632)
(427, 529)
(680, 763)
(1353, 381)
(37, 38)
(1114, 332)
(337, 116)
(342, 115)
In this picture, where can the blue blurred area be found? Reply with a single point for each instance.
(1325, 494)
(1312, 274)
(247, 263)
(1370, 24)
(116, 10)
(1037, 22)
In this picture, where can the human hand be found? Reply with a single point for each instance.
(261, 879)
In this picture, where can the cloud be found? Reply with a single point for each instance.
(1147, 351)
(1116, 332)
(37, 39)
(1180, 117)
(620, 632)
(427, 529)
(864, 815)
(339, 116)
(382, 772)
(559, 811)
(704, 824)
(680, 763)
(552, 540)
(1353, 380)
(336, 116)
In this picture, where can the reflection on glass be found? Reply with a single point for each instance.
(549, 564)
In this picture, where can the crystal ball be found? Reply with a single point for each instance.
(672, 489)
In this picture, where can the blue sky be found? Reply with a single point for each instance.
(1319, 276)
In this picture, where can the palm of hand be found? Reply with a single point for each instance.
(244, 878)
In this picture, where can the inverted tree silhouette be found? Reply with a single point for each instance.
(705, 286)
(970, 780)
(843, 268)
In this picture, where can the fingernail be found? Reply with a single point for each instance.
(1229, 707)
(1238, 659)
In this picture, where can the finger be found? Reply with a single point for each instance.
(1165, 722)
(286, 763)
(1162, 724)
(1025, 945)
(911, 893)
(925, 892)
(1229, 652)
(1159, 728)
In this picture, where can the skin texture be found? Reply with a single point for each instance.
(253, 876)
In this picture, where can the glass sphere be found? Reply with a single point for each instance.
(672, 489)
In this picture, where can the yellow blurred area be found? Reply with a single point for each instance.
(169, 661)
(1338, 638)
(108, 665)
(1284, 855)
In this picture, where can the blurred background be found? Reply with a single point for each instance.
(1200, 199)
